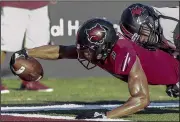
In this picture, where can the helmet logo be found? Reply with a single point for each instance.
(137, 10)
(96, 34)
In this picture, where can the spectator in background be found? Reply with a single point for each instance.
(24, 24)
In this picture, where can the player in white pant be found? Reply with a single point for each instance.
(24, 25)
(18, 24)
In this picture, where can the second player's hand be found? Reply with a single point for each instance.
(173, 90)
(91, 115)
(20, 53)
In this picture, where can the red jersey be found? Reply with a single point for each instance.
(160, 68)
(25, 4)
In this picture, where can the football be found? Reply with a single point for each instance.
(28, 69)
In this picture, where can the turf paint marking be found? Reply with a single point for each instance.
(78, 107)
(16, 109)
(58, 117)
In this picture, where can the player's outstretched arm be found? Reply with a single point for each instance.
(53, 52)
(47, 52)
(138, 88)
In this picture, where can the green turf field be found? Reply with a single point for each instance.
(85, 89)
(89, 90)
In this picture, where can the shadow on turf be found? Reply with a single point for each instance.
(158, 111)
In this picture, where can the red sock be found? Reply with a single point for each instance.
(25, 82)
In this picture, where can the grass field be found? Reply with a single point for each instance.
(89, 90)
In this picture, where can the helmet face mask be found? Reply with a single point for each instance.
(89, 59)
(147, 35)
(95, 40)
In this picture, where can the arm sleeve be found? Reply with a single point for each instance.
(67, 51)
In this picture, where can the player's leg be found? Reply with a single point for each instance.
(3, 55)
(13, 27)
(2, 87)
(38, 34)
(38, 31)
(13, 24)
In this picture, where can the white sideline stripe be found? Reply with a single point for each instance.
(58, 117)
(75, 107)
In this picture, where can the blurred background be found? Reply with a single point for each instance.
(65, 18)
(70, 81)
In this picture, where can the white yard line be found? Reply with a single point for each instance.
(71, 107)
(76, 107)
(57, 117)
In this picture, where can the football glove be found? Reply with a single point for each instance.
(20, 53)
(173, 90)
(91, 115)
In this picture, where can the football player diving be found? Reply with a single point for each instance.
(152, 27)
(98, 43)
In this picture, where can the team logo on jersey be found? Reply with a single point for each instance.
(137, 10)
(96, 34)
